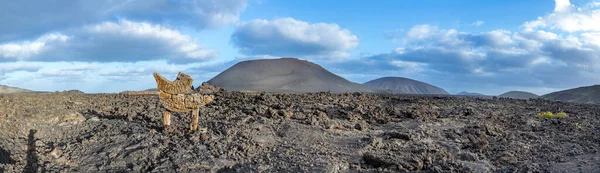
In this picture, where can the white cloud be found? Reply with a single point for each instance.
(24, 18)
(91, 45)
(592, 38)
(246, 57)
(181, 44)
(409, 66)
(568, 17)
(562, 6)
(530, 58)
(532, 25)
(421, 32)
(477, 23)
(502, 37)
(481, 72)
(290, 37)
(25, 50)
(110, 41)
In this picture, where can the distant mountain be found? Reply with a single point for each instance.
(464, 93)
(405, 86)
(285, 75)
(518, 95)
(7, 89)
(588, 94)
(73, 91)
(152, 89)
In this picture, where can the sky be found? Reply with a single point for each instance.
(490, 47)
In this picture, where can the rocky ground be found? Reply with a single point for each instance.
(317, 132)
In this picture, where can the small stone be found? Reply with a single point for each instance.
(73, 117)
(288, 114)
(299, 116)
(39, 143)
(399, 135)
(55, 153)
(203, 130)
(507, 157)
(467, 156)
(113, 155)
(61, 160)
(330, 125)
(417, 163)
(362, 126)
(94, 119)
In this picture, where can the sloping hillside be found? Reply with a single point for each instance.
(8, 89)
(464, 93)
(285, 75)
(588, 94)
(405, 86)
(518, 95)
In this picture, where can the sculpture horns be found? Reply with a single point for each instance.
(181, 85)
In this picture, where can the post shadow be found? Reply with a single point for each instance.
(32, 158)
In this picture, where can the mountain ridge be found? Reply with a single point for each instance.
(585, 94)
(9, 89)
(464, 93)
(285, 75)
(518, 95)
(402, 85)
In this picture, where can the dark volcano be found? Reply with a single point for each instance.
(519, 95)
(588, 94)
(405, 86)
(285, 75)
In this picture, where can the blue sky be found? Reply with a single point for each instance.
(489, 47)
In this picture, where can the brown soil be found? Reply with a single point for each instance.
(316, 132)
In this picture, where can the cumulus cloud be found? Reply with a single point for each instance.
(24, 18)
(568, 17)
(24, 50)
(531, 58)
(290, 37)
(122, 41)
(49, 45)
(421, 32)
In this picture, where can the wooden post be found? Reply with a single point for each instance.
(194, 125)
(166, 118)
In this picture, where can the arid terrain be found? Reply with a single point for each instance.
(314, 132)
